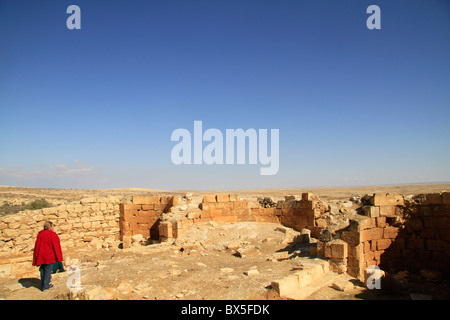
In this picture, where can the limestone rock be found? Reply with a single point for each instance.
(251, 273)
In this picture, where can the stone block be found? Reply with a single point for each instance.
(338, 265)
(369, 255)
(304, 278)
(145, 200)
(254, 204)
(240, 204)
(193, 215)
(175, 200)
(128, 206)
(433, 198)
(126, 241)
(315, 271)
(359, 223)
(412, 243)
(209, 199)
(431, 222)
(286, 285)
(383, 244)
(351, 237)
(366, 246)
(321, 223)
(371, 211)
(387, 211)
(215, 213)
(372, 234)
(251, 273)
(223, 197)
(308, 196)
(413, 225)
(381, 222)
(339, 249)
(390, 232)
(388, 199)
(342, 285)
(148, 207)
(445, 197)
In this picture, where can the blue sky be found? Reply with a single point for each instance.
(95, 108)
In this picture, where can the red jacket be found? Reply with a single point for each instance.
(47, 249)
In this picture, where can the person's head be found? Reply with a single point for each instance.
(48, 225)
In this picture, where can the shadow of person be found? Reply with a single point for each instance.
(30, 282)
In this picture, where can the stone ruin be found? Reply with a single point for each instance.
(390, 231)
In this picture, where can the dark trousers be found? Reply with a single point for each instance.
(46, 275)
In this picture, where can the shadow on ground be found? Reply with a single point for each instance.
(30, 282)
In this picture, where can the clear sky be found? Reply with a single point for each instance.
(96, 107)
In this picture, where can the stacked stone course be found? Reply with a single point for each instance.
(77, 224)
(143, 216)
(400, 234)
(306, 212)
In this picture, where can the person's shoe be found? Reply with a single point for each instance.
(49, 287)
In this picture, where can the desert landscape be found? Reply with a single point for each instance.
(18, 195)
(210, 260)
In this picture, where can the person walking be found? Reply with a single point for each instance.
(47, 251)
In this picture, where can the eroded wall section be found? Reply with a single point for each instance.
(398, 233)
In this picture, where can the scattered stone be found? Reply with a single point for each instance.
(266, 202)
(175, 272)
(342, 285)
(226, 270)
(280, 255)
(251, 273)
(213, 224)
(247, 250)
(298, 267)
(281, 229)
(233, 245)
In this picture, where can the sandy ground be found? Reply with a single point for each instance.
(201, 265)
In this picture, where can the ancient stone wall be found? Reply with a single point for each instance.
(306, 212)
(89, 221)
(400, 234)
(142, 216)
